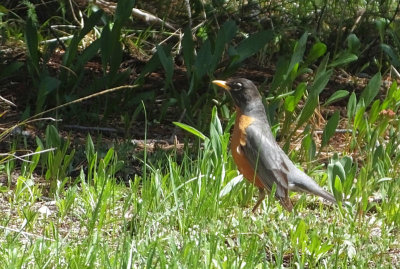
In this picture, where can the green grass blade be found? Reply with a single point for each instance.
(298, 53)
(372, 89)
(188, 50)
(250, 46)
(31, 39)
(167, 62)
(190, 129)
(336, 96)
(313, 100)
(343, 58)
(317, 51)
(330, 128)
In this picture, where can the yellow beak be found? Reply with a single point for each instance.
(222, 84)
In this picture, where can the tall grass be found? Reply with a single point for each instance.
(192, 210)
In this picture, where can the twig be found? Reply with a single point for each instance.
(35, 117)
(21, 158)
(138, 13)
(337, 131)
(7, 101)
(357, 22)
(395, 71)
(176, 33)
(89, 128)
(13, 157)
(73, 14)
(38, 152)
(26, 233)
(57, 39)
(85, 98)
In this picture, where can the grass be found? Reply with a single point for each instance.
(189, 210)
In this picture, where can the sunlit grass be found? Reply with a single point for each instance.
(183, 214)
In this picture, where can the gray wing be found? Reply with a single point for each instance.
(265, 155)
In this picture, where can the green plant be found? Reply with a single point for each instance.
(392, 50)
(292, 69)
(203, 62)
(56, 163)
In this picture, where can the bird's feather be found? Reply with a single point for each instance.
(265, 155)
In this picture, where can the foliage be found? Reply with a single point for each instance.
(188, 207)
(195, 212)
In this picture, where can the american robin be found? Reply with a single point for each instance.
(256, 152)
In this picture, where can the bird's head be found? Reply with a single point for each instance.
(244, 93)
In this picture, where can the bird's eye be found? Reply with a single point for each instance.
(237, 86)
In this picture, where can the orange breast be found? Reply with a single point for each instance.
(238, 139)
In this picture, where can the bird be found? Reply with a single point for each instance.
(256, 153)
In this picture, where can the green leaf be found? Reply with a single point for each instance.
(224, 36)
(298, 53)
(336, 96)
(277, 84)
(47, 85)
(292, 101)
(124, 10)
(372, 89)
(322, 67)
(115, 60)
(31, 39)
(335, 170)
(150, 66)
(394, 58)
(330, 128)
(89, 24)
(89, 52)
(109, 155)
(317, 50)
(299, 236)
(215, 121)
(309, 146)
(106, 48)
(204, 60)
(343, 58)
(190, 129)
(89, 148)
(320, 83)
(188, 50)
(313, 100)
(351, 106)
(35, 160)
(359, 117)
(353, 44)
(307, 111)
(53, 139)
(251, 45)
(338, 190)
(3, 9)
(10, 69)
(167, 62)
(374, 111)
(381, 24)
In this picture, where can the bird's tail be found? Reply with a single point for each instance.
(301, 182)
(326, 195)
